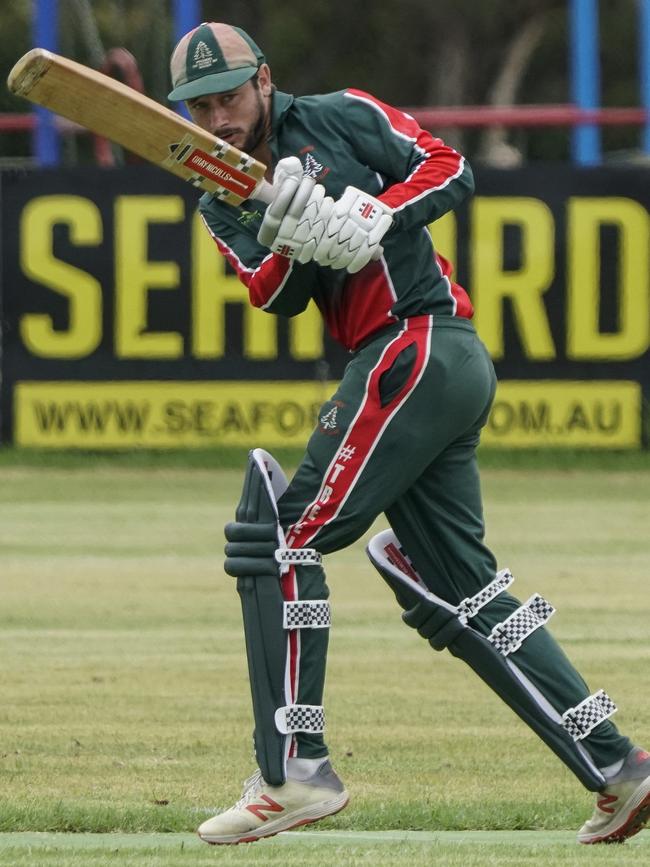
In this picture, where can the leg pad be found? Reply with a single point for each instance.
(445, 625)
(257, 556)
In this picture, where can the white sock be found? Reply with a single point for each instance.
(303, 769)
(612, 770)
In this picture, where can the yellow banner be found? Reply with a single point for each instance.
(113, 415)
(96, 415)
(537, 413)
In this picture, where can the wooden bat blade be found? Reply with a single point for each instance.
(111, 109)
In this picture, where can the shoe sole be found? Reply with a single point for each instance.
(638, 816)
(295, 820)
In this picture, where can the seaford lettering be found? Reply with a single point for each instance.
(138, 279)
(523, 287)
(168, 414)
(69, 322)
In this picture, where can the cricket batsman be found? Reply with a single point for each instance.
(357, 183)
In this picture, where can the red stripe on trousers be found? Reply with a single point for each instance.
(363, 435)
(289, 588)
(365, 430)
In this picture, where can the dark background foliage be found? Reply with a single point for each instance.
(411, 53)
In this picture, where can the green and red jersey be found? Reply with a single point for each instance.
(349, 138)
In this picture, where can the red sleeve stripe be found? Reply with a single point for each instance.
(394, 118)
(428, 175)
(430, 189)
(270, 275)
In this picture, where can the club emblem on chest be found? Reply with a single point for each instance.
(311, 167)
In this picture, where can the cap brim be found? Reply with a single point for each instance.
(218, 83)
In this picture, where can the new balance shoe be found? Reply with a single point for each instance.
(623, 806)
(265, 810)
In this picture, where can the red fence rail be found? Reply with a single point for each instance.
(464, 116)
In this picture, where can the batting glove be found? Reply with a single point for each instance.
(295, 220)
(354, 232)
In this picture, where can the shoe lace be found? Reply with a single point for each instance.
(250, 790)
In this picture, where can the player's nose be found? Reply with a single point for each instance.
(219, 118)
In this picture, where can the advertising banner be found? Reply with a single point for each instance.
(122, 326)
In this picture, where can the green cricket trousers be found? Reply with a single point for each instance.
(399, 436)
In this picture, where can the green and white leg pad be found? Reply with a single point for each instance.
(258, 556)
(448, 626)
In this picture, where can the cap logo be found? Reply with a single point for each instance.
(203, 57)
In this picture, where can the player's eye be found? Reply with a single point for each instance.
(198, 105)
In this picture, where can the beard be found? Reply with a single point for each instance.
(257, 133)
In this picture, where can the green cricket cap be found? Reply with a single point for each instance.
(213, 58)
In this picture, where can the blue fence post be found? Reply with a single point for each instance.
(186, 14)
(644, 70)
(585, 78)
(45, 141)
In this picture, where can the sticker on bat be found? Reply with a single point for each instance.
(178, 150)
(209, 166)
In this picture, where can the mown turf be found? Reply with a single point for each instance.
(235, 458)
(316, 847)
(125, 697)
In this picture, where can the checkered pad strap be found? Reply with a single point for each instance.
(308, 614)
(511, 634)
(299, 556)
(470, 606)
(300, 718)
(582, 719)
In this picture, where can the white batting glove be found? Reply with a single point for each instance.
(295, 220)
(354, 232)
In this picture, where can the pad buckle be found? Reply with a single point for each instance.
(470, 606)
(511, 634)
(299, 556)
(294, 718)
(582, 719)
(307, 614)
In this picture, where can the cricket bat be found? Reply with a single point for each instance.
(117, 112)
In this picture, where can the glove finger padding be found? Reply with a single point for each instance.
(276, 211)
(285, 168)
(370, 249)
(304, 223)
(286, 180)
(295, 212)
(352, 238)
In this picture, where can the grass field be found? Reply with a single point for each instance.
(125, 703)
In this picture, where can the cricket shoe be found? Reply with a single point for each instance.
(265, 810)
(623, 805)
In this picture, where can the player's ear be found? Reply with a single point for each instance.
(264, 79)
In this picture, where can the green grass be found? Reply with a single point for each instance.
(310, 847)
(233, 458)
(125, 698)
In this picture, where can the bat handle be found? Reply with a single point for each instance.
(263, 192)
